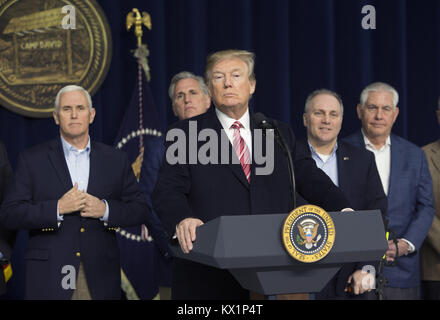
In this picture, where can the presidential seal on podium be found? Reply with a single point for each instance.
(308, 233)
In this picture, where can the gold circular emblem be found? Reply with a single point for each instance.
(47, 44)
(308, 233)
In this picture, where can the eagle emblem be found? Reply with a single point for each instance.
(308, 230)
(308, 233)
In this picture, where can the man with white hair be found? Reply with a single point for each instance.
(430, 252)
(71, 194)
(405, 177)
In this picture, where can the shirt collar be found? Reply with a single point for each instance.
(227, 121)
(332, 154)
(67, 147)
(369, 144)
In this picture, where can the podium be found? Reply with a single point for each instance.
(251, 248)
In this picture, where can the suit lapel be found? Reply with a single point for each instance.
(360, 140)
(234, 163)
(395, 165)
(343, 165)
(94, 171)
(58, 160)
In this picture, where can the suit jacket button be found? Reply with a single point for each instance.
(78, 254)
(82, 229)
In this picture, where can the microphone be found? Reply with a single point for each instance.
(268, 124)
(264, 123)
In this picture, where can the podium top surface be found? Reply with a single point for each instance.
(254, 241)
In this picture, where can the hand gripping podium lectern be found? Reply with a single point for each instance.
(250, 246)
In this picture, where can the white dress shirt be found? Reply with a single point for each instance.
(245, 132)
(383, 160)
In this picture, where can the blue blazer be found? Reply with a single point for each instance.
(410, 205)
(209, 191)
(359, 180)
(41, 178)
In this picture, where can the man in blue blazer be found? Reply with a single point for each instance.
(352, 169)
(405, 176)
(192, 191)
(71, 194)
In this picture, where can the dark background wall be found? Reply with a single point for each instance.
(300, 46)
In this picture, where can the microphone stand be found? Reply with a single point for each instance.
(381, 281)
(264, 124)
(283, 144)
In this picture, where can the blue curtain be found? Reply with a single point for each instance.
(300, 46)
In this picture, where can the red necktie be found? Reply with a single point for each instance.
(241, 149)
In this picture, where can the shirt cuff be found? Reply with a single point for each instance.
(411, 247)
(105, 217)
(59, 217)
(175, 233)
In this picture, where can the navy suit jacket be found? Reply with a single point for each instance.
(359, 179)
(410, 205)
(209, 191)
(7, 237)
(41, 178)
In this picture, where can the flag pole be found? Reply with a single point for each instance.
(134, 18)
(137, 21)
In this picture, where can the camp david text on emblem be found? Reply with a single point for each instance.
(46, 45)
(308, 233)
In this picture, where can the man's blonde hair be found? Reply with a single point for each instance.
(245, 56)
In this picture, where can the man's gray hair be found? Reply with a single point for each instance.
(70, 88)
(323, 91)
(379, 86)
(186, 75)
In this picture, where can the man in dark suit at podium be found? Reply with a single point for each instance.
(7, 237)
(352, 169)
(191, 192)
(72, 193)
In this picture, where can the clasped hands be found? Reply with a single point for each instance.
(77, 200)
(402, 247)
